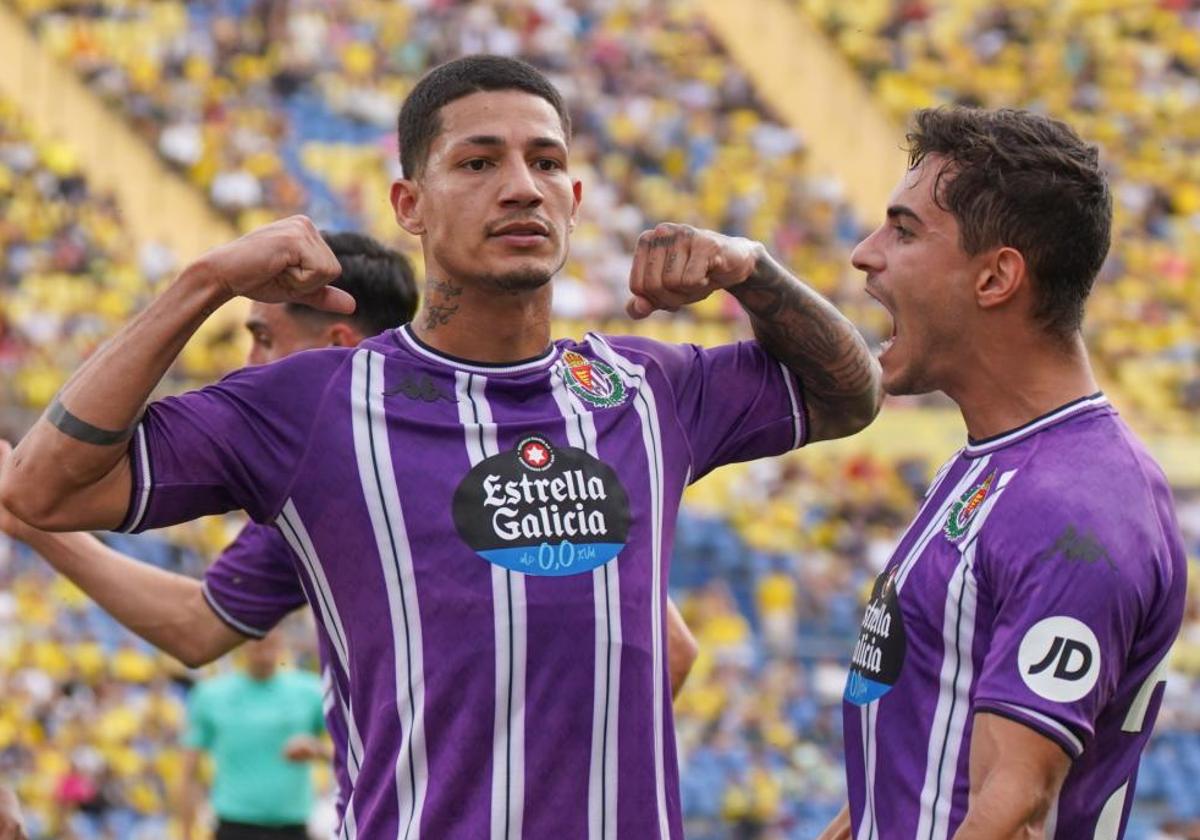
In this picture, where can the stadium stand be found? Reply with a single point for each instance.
(273, 107)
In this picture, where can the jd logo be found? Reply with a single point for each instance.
(1061, 651)
(1059, 659)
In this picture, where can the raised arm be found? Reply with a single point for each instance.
(168, 610)
(1015, 777)
(72, 470)
(675, 265)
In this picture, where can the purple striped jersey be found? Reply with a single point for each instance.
(252, 586)
(1043, 580)
(486, 548)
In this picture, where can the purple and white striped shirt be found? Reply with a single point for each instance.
(1043, 580)
(486, 549)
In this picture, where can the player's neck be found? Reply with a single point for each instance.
(1005, 387)
(483, 325)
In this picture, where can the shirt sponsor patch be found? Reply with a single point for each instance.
(542, 509)
(1059, 659)
(879, 652)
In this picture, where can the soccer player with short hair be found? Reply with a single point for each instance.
(253, 585)
(482, 516)
(1009, 668)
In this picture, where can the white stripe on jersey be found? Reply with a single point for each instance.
(508, 611)
(634, 376)
(215, 606)
(143, 500)
(1135, 720)
(606, 691)
(799, 431)
(297, 536)
(870, 713)
(1108, 827)
(373, 451)
(866, 825)
(1049, 722)
(950, 716)
(934, 526)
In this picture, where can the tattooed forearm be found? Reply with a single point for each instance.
(440, 304)
(818, 344)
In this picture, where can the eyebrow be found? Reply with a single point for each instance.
(897, 210)
(497, 141)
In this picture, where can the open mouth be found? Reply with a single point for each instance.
(887, 343)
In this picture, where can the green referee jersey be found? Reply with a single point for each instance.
(244, 724)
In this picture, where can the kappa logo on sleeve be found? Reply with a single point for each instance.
(1059, 659)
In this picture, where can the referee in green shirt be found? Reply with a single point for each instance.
(261, 726)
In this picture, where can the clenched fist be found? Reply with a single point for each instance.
(675, 265)
(285, 261)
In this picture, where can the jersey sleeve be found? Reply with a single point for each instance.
(253, 585)
(1065, 617)
(232, 445)
(734, 402)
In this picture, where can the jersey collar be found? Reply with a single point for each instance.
(982, 446)
(422, 349)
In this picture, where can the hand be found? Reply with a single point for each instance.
(12, 526)
(12, 826)
(674, 265)
(303, 748)
(285, 261)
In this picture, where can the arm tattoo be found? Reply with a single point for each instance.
(81, 430)
(439, 308)
(810, 337)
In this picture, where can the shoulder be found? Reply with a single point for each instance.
(256, 538)
(1086, 493)
(308, 367)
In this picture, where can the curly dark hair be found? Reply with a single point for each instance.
(1025, 181)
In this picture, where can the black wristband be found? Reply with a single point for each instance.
(81, 430)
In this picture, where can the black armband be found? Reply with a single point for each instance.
(81, 430)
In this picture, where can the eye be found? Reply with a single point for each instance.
(903, 233)
(476, 164)
(548, 164)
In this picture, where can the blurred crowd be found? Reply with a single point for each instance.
(1125, 75)
(279, 106)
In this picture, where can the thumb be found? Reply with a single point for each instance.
(638, 307)
(329, 299)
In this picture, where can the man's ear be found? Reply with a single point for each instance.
(577, 191)
(1001, 278)
(342, 334)
(406, 204)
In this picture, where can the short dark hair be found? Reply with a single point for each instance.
(1029, 182)
(419, 123)
(378, 278)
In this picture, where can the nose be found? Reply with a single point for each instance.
(867, 256)
(520, 188)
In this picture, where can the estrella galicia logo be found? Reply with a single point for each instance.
(592, 380)
(964, 510)
(879, 652)
(543, 510)
(1059, 659)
